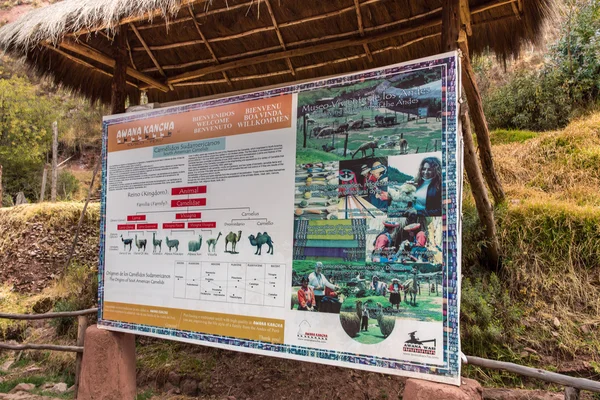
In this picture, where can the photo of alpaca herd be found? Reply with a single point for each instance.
(232, 242)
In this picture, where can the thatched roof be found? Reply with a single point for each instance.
(180, 49)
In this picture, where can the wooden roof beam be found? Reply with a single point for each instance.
(274, 21)
(150, 54)
(361, 29)
(311, 41)
(299, 52)
(84, 63)
(465, 16)
(515, 8)
(104, 59)
(317, 48)
(208, 46)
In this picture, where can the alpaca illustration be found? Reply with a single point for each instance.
(126, 242)
(156, 243)
(213, 242)
(172, 243)
(194, 245)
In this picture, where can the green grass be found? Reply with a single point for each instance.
(504, 136)
(161, 357)
(145, 395)
(372, 335)
(39, 380)
(428, 308)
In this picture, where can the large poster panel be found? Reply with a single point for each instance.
(317, 222)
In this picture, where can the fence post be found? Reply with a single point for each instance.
(54, 161)
(571, 393)
(82, 322)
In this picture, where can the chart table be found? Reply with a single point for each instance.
(231, 282)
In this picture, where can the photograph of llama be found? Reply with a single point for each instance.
(382, 116)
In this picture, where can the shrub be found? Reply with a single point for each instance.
(66, 186)
(535, 101)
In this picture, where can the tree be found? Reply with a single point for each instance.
(25, 134)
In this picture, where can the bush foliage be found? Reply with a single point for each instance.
(567, 85)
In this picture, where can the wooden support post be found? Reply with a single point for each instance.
(571, 393)
(451, 23)
(481, 129)
(482, 201)
(1, 193)
(82, 323)
(120, 72)
(54, 161)
(44, 179)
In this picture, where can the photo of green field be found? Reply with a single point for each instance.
(374, 118)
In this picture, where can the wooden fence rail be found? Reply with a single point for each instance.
(82, 323)
(49, 315)
(553, 377)
(572, 384)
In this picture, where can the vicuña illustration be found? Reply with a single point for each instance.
(213, 243)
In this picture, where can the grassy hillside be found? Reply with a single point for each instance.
(35, 239)
(544, 307)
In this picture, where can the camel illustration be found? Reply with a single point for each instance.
(366, 146)
(231, 237)
(213, 243)
(259, 240)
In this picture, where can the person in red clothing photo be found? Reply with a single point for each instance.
(306, 296)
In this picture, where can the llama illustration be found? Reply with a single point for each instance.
(156, 243)
(213, 243)
(231, 237)
(140, 244)
(172, 243)
(194, 245)
(126, 242)
(259, 240)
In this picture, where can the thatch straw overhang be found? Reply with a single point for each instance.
(181, 49)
